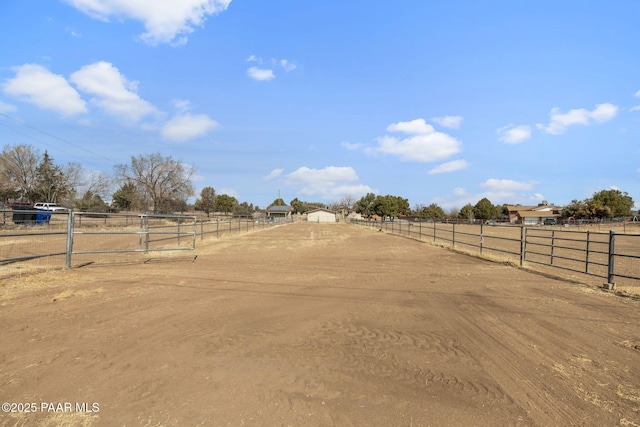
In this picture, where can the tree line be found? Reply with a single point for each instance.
(148, 183)
(159, 184)
(603, 204)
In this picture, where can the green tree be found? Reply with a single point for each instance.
(278, 202)
(300, 206)
(596, 210)
(207, 200)
(390, 206)
(364, 206)
(576, 209)
(503, 212)
(244, 209)
(484, 209)
(466, 212)
(619, 203)
(297, 206)
(91, 202)
(51, 183)
(433, 211)
(225, 203)
(126, 197)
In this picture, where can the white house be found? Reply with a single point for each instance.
(321, 215)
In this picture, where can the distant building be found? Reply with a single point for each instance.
(321, 215)
(533, 215)
(279, 211)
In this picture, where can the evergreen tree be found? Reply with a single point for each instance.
(484, 209)
(226, 203)
(126, 197)
(433, 211)
(51, 183)
(364, 206)
(466, 212)
(207, 200)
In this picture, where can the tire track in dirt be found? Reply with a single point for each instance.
(388, 354)
(509, 357)
(325, 325)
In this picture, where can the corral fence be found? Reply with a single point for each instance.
(219, 225)
(49, 239)
(611, 256)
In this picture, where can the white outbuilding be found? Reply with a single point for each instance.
(321, 215)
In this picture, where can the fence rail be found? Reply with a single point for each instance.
(43, 239)
(611, 256)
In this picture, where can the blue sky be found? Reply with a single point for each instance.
(436, 101)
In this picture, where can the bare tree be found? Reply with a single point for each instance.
(162, 183)
(347, 203)
(18, 166)
(89, 181)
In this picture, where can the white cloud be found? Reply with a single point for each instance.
(352, 146)
(498, 191)
(500, 185)
(329, 175)
(636, 108)
(112, 91)
(186, 126)
(328, 183)
(460, 192)
(273, 174)
(260, 74)
(514, 134)
(414, 127)
(561, 121)
(637, 94)
(452, 122)
(266, 74)
(73, 33)
(7, 108)
(288, 65)
(35, 84)
(604, 112)
(164, 21)
(449, 167)
(424, 144)
(181, 105)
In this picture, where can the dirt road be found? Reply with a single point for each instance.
(316, 325)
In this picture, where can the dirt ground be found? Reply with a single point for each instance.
(315, 325)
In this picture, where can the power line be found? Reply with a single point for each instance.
(50, 135)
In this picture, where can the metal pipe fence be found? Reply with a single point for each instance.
(32, 240)
(218, 226)
(614, 257)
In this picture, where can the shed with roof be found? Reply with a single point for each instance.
(321, 215)
(279, 211)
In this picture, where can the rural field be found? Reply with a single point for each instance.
(315, 325)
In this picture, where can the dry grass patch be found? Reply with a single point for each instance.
(34, 281)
